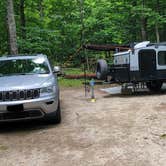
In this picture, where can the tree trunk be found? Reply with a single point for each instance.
(157, 33)
(156, 26)
(22, 19)
(143, 23)
(143, 28)
(133, 21)
(11, 28)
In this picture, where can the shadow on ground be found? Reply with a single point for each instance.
(137, 94)
(23, 126)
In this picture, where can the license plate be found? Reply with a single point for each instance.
(15, 108)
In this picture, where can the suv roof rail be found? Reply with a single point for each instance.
(23, 55)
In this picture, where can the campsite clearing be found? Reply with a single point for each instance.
(116, 130)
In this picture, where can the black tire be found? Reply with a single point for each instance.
(154, 86)
(55, 118)
(102, 69)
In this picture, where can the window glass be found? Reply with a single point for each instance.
(23, 66)
(162, 57)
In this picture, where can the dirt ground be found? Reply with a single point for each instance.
(116, 130)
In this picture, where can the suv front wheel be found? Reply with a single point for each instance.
(55, 118)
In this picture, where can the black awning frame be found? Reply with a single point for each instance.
(106, 47)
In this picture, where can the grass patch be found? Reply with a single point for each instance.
(63, 82)
(2, 147)
(74, 71)
(163, 136)
(70, 82)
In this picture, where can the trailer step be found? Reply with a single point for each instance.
(129, 88)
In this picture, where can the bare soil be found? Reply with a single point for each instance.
(116, 130)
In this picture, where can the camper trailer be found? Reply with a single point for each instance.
(144, 63)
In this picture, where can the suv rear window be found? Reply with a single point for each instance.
(23, 66)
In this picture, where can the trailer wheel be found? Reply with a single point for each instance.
(102, 69)
(154, 86)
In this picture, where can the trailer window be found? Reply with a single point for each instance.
(162, 57)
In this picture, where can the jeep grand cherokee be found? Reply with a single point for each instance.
(28, 89)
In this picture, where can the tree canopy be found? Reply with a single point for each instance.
(59, 27)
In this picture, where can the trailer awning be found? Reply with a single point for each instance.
(106, 47)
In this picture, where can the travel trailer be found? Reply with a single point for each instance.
(144, 63)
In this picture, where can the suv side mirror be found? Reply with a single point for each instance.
(57, 70)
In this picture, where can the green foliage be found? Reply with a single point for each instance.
(54, 27)
(3, 31)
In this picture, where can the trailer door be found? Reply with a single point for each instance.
(147, 64)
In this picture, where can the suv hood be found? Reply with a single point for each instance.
(18, 82)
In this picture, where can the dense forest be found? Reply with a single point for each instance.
(58, 28)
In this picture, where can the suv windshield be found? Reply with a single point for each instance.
(23, 66)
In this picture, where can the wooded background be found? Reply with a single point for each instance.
(58, 28)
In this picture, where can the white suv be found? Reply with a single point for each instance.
(28, 89)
